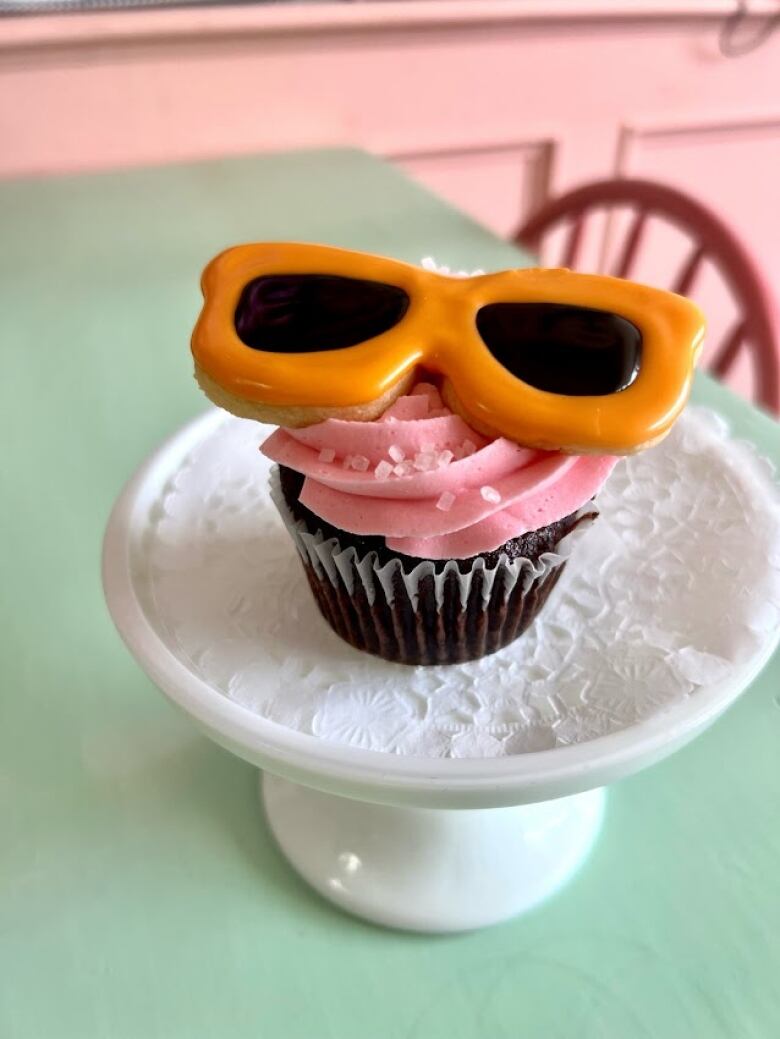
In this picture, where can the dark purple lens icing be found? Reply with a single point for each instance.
(306, 313)
(563, 349)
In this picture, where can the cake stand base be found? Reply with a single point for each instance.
(433, 870)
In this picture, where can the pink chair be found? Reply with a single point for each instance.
(756, 329)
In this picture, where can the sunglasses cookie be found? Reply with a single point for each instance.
(293, 334)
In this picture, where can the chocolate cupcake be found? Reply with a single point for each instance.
(423, 541)
(433, 533)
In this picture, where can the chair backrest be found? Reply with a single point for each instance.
(756, 327)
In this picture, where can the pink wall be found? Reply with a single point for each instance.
(495, 104)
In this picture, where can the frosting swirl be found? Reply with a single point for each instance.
(428, 483)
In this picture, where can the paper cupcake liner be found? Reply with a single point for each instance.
(425, 617)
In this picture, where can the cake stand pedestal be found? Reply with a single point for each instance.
(427, 869)
(422, 843)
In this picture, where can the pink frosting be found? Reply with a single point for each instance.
(429, 484)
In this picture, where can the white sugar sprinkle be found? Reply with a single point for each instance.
(445, 457)
(327, 454)
(403, 468)
(446, 501)
(396, 453)
(424, 461)
(360, 462)
(383, 470)
(490, 494)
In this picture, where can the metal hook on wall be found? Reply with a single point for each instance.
(729, 42)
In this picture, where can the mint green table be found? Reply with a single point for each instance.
(140, 894)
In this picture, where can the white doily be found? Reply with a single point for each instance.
(678, 579)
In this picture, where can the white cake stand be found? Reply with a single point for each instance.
(427, 844)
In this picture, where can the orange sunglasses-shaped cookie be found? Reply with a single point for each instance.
(293, 334)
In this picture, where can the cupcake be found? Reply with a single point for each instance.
(441, 441)
(424, 541)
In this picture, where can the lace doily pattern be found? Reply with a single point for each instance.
(678, 581)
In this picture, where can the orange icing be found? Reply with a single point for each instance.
(438, 333)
